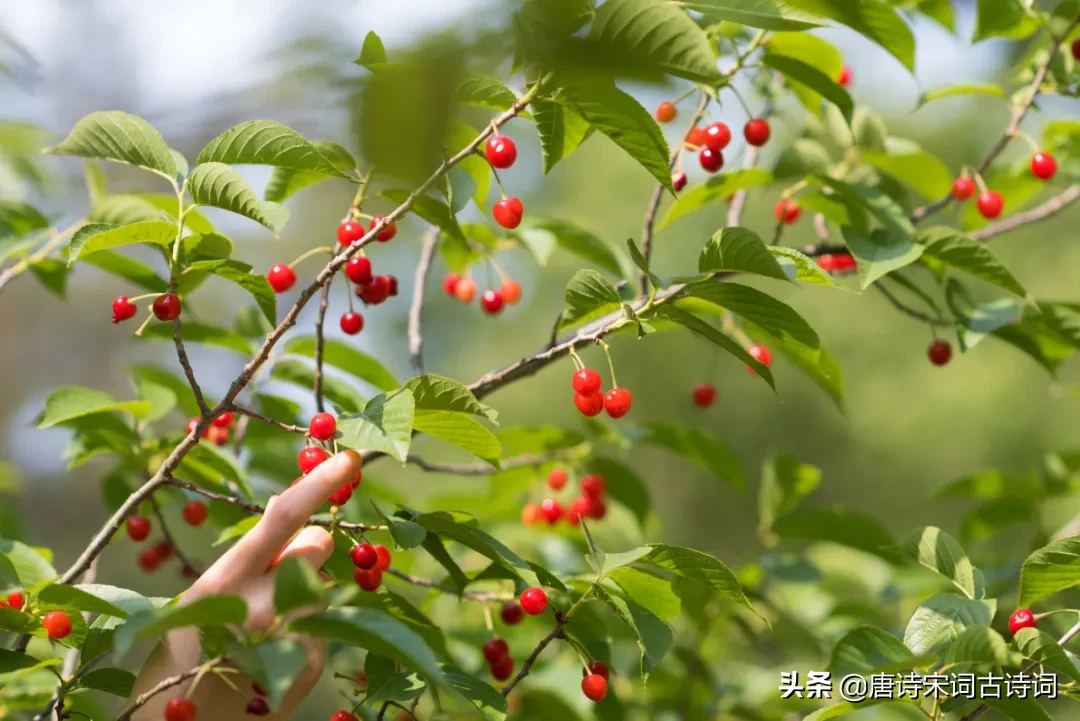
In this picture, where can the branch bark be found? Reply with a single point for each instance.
(416, 339)
(165, 685)
(320, 343)
(1041, 212)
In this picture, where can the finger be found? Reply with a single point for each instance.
(313, 544)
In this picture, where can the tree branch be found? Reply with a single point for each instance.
(181, 354)
(427, 583)
(909, 311)
(560, 624)
(416, 340)
(1041, 212)
(165, 685)
(266, 419)
(320, 343)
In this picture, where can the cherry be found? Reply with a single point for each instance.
(122, 309)
(191, 425)
(530, 514)
(963, 188)
(465, 290)
(551, 510)
(827, 262)
(597, 508)
(15, 600)
(217, 435)
(258, 707)
(163, 550)
(704, 395)
(180, 709)
(195, 513)
(845, 261)
(281, 277)
(717, 136)
(1076, 49)
(757, 132)
(587, 382)
(343, 716)
(589, 405)
(696, 137)
(138, 528)
(1021, 618)
(3, 603)
(534, 601)
(512, 613)
(449, 284)
(594, 686)
(392, 280)
(349, 232)
(510, 290)
(309, 458)
(666, 112)
(384, 557)
(492, 302)
(367, 580)
(341, 496)
(599, 668)
(557, 479)
(358, 270)
(578, 507)
(57, 624)
(495, 649)
(386, 233)
(1043, 165)
(167, 306)
(503, 668)
(787, 211)
(507, 213)
(617, 402)
(375, 292)
(990, 204)
(593, 485)
(678, 181)
(356, 481)
(148, 561)
(224, 420)
(322, 427)
(761, 354)
(845, 77)
(364, 556)
(939, 352)
(352, 323)
(711, 160)
(500, 151)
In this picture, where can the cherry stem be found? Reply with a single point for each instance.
(577, 359)
(684, 96)
(361, 193)
(144, 296)
(349, 295)
(498, 181)
(307, 254)
(610, 363)
(145, 323)
(979, 182)
(1028, 139)
(1039, 616)
(742, 101)
(503, 275)
(489, 621)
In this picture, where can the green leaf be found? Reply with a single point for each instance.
(122, 138)
(240, 273)
(963, 253)
(698, 568)
(372, 51)
(765, 14)
(297, 586)
(657, 35)
(876, 19)
(814, 79)
(980, 645)
(209, 611)
(406, 534)
(59, 594)
(385, 424)
(913, 166)
(445, 525)
(813, 51)
(561, 130)
(461, 430)
(759, 308)
(623, 485)
(952, 91)
(1018, 709)
(697, 446)
(879, 253)
(386, 684)
(211, 464)
(274, 664)
(784, 484)
(437, 393)
(940, 619)
(162, 390)
(837, 525)
(267, 142)
(589, 296)
(715, 190)
(69, 403)
(484, 91)
(284, 182)
(337, 391)
(817, 363)
(195, 332)
(11, 661)
(115, 681)
(867, 650)
(800, 267)
(654, 637)
(347, 358)
(738, 250)
(376, 631)
(490, 703)
(433, 211)
(933, 548)
(219, 186)
(707, 331)
(621, 118)
(1003, 19)
(19, 622)
(1043, 649)
(28, 566)
(133, 271)
(642, 264)
(575, 239)
(53, 274)
(1050, 569)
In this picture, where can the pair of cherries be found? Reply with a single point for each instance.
(590, 401)
(501, 153)
(166, 306)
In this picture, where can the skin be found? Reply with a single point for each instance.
(245, 571)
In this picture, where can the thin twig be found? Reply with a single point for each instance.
(428, 583)
(560, 624)
(909, 311)
(750, 160)
(320, 343)
(483, 469)
(181, 354)
(169, 538)
(1041, 212)
(266, 419)
(416, 339)
(165, 685)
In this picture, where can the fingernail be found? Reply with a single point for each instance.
(349, 459)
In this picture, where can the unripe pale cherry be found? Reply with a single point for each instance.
(465, 290)
(322, 427)
(122, 309)
(57, 624)
(352, 323)
(990, 204)
(963, 188)
(617, 402)
(500, 151)
(530, 514)
(309, 458)
(181, 709)
(534, 601)
(678, 181)
(491, 301)
(507, 213)
(1043, 165)
(1021, 618)
(138, 528)
(195, 513)
(587, 382)
(281, 277)
(704, 395)
(510, 290)
(787, 211)
(757, 132)
(695, 138)
(386, 233)
(358, 270)
(717, 136)
(349, 232)
(665, 112)
(711, 160)
(589, 405)
(939, 352)
(167, 306)
(594, 686)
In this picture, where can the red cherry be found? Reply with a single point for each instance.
(500, 151)
(495, 649)
(180, 709)
(281, 277)
(356, 481)
(787, 211)
(57, 624)
(594, 686)
(963, 188)
(343, 716)
(309, 458)
(530, 514)
(617, 402)
(322, 427)
(757, 132)
(3, 603)
(167, 306)
(717, 136)
(138, 528)
(534, 601)
(827, 262)
(352, 323)
(845, 77)
(349, 232)
(593, 485)
(711, 160)
(502, 669)
(364, 556)
(1021, 618)
(384, 557)
(990, 204)
(678, 181)
(163, 550)
(599, 668)
(465, 290)
(704, 395)
(939, 352)
(15, 600)
(845, 261)
(195, 513)
(597, 508)
(392, 280)
(148, 561)
(507, 213)
(122, 309)
(587, 382)
(696, 137)
(512, 613)
(492, 302)
(589, 405)
(557, 479)
(579, 507)
(762, 355)
(192, 424)
(551, 510)
(358, 270)
(1076, 49)
(217, 435)
(449, 283)
(375, 292)
(510, 290)
(386, 233)
(1043, 165)
(665, 112)
(367, 580)
(258, 707)
(224, 420)
(341, 496)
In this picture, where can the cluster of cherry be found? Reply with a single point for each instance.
(218, 432)
(590, 401)
(56, 623)
(590, 504)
